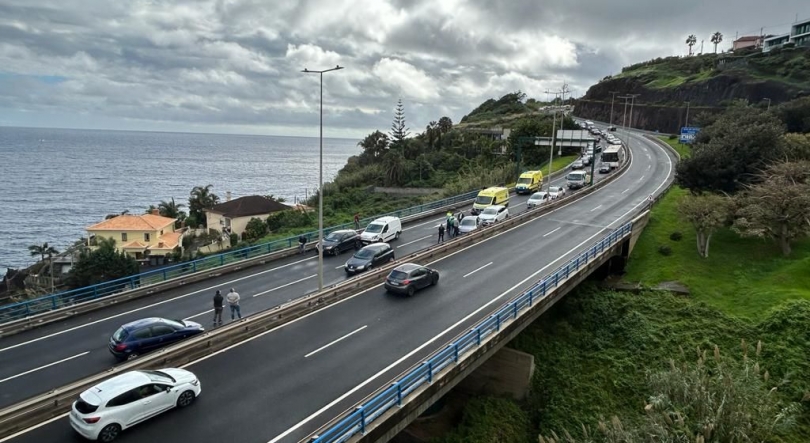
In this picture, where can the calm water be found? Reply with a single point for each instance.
(55, 182)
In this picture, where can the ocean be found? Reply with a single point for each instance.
(56, 182)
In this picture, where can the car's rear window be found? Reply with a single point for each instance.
(120, 335)
(468, 222)
(398, 275)
(84, 407)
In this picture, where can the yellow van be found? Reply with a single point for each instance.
(495, 195)
(529, 182)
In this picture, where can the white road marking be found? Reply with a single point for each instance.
(551, 232)
(44, 366)
(336, 341)
(201, 313)
(412, 242)
(625, 190)
(150, 306)
(36, 426)
(642, 178)
(285, 285)
(595, 208)
(473, 272)
(341, 266)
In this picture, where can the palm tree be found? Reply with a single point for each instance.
(394, 165)
(170, 208)
(717, 37)
(691, 41)
(201, 198)
(42, 251)
(109, 216)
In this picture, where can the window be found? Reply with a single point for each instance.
(160, 330)
(125, 398)
(145, 236)
(123, 236)
(141, 334)
(120, 334)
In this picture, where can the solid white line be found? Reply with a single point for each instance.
(551, 232)
(152, 305)
(197, 315)
(44, 366)
(642, 178)
(36, 426)
(336, 341)
(595, 208)
(285, 285)
(473, 272)
(625, 190)
(412, 242)
(341, 266)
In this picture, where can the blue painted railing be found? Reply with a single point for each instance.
(356, 421)
(66, 298)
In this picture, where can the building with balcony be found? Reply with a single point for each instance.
(234, 215)
(140, 236)
(748, 41)
(775, 41)
(800, 33)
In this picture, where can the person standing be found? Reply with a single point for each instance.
(356, 221)
(218, 308)
(302, 243)
(233, 302)
(456, 227)
(441, 233)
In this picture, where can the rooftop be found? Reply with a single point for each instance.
(248, 206)
(127, 222)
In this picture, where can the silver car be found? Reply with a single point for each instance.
(537, 199)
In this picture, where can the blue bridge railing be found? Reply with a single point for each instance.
(357, 420)
(66, 298)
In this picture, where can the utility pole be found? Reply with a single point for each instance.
(624, 116)
(562, 119)
(553, 137)
(612, 99)
(632, 102)
(769, 103)
(687, 115)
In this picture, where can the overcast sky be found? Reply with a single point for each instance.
(234, 65)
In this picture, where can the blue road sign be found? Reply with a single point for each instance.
(688, 134)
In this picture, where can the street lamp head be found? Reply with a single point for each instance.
(305, 70)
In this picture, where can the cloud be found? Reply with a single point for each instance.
(235, 65)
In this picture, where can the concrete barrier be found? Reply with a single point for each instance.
(56, 402)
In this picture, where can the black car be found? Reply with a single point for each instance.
(409, 277)
(368, 257)
(604, 169)
(340, 241)
(148, 334)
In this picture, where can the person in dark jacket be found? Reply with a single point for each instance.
(441, 233)
(218, 298)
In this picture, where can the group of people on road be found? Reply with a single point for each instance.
(233, 302)
(452, 223)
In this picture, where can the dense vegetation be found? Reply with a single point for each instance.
(790, 66)
(621, 367)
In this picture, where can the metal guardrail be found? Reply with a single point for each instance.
(59, 300)
(357, 421)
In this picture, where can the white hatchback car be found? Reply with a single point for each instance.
(537, 199)
(493, 214)
(556, 192)
(103, 411)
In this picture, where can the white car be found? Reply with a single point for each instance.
(556, 192)
(469, 224)
(493, 214)
(537, 199)
(103, 411)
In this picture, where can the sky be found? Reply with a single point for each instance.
(234, 66)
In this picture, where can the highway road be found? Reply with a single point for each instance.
(285, 383)
(51, 356)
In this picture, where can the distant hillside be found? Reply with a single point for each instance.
(709, 82)
(502, 112)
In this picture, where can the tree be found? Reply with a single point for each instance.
(728, 154)
(432, 134)
(109, 216)
(796, 147)
(201, 198)
(375, 145)
(795, 114)
(394, 165)
(255, 228)
(275, 199)
(707, 213)
(691, 41)
(103, 264)
(170, 208)
(778, 207)
(445, 125)
(42, 251)
(150, 209)
(717, 38)
(398, 130)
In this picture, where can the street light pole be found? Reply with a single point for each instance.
(320, 180)
(687, 115)
(632, 102)
(612, 99)
(553, 138)
(769, 103)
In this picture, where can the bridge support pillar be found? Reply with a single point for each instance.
(508, 372)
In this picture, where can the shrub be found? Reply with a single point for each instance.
(673, 136)
(234, 239)
(665, 250)
(676, 236)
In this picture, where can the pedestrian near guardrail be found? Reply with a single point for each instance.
(441, 233)
(302, 243)
(218, 308)
(356, 221)
(233, 302)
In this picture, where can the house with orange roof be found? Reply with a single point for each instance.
(140, 236)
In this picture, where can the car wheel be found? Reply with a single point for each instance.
(185, 399)
(370, 266)
(109, 433)
(132, 356)
(391, 259)
(397, 236)
(411, 291)
(434, 280)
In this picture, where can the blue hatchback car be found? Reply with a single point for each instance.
(141, 336)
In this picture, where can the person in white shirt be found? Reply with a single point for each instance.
(233, 302)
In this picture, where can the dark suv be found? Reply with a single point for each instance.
(340, 241)
(368, 257)
(148, 334)
(409, 277)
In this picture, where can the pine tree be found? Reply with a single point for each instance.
(398, 130)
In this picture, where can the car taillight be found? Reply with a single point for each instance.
(405, 282)
(91, 420)
(120, 346)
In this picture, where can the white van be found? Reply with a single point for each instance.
(578, 179)
(383, 229)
